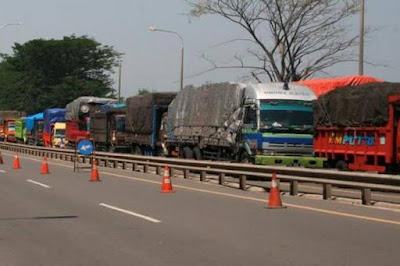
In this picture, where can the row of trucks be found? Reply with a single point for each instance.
(266, 123)
(269, 123)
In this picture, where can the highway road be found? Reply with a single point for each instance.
(62, 219)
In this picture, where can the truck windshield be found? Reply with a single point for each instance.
(285, 116)
(11, 127)
(60, 133)
(120, 124)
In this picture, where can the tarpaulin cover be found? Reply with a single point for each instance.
(30, 121)
(322, 86)
(139, 114)
(52, 116)
(106, 107)
(210, 111)
(11, 115)
(355, 106)
(74, 108)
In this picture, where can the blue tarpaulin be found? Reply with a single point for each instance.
(52, 116)
(30, 121)
(106, 107)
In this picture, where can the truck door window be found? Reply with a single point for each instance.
(250, 117)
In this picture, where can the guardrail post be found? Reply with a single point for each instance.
(186, 173)
(221, 178)
(203, 176)
(115, 164)
(135, 167)
(366, 196)
(158, 170)
(146, 168)
(327, 191)
(172, 172)
(294, 187)
(242, 182)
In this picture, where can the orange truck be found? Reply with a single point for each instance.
(7, 125)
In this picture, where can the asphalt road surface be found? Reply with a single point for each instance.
(63, 219)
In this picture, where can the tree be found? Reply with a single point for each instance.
(143, 91)
(288, 40)
(43, 74)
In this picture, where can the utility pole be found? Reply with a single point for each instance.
(362, 33)
(119, 80)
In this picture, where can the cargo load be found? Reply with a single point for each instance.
(140, 111)
(51, 116)
(85, 105)
(355, 106)
(322, 86)
(31, 120)
(210, 111)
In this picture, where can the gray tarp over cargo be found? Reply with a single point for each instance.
(210, 113)
(355, 106)
(74, 108)
(139, 111)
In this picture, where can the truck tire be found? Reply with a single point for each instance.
(197, 153)
(244, 157)
(187, 153)
(342, 166)
(137, 150)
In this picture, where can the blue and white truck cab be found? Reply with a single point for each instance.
(278, 124)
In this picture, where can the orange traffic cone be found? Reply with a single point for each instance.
(95, 172)
(274, 201)
(1, 158)
(16, 162)
(45, 167)
(166, 186)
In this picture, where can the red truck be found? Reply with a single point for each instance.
(371, 139)
(78, 117)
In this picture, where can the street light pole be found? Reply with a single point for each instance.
(10, 24)
(119, 80)
(362, 33)
(153, 29)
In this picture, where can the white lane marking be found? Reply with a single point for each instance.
(2, 171)
(130, 213)
(37, 183)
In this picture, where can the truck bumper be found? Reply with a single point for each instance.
(309, 162)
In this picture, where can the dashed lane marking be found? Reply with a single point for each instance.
(2, 171)
(37, 183)
(147, 218)
(342, 214)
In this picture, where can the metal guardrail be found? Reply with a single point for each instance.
(366, 182)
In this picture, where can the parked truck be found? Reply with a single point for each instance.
(267, 123)
(34, 125)
(51, 118)
(107, 128)
(144, 117)
(78, 114)
(7, 124)
(358, 128)
(20, 130)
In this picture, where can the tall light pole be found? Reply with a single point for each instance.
(154, 29)
(10, 24)
(362, 33)
(119, 76)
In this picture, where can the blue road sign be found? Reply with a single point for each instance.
(85, 147)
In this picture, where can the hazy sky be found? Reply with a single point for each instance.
(153, 59)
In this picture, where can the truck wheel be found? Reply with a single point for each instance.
(187, 153)
(341, 165)
(197, 153)
(137, 151)
(244, 157)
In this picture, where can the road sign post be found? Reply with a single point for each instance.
(84, 149)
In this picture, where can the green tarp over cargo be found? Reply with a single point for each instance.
(355, 106)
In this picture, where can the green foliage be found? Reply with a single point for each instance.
(50, 73)
(143, 91)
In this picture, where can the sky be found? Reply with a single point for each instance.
(152, 59)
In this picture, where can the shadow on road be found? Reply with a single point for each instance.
(40, 218)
